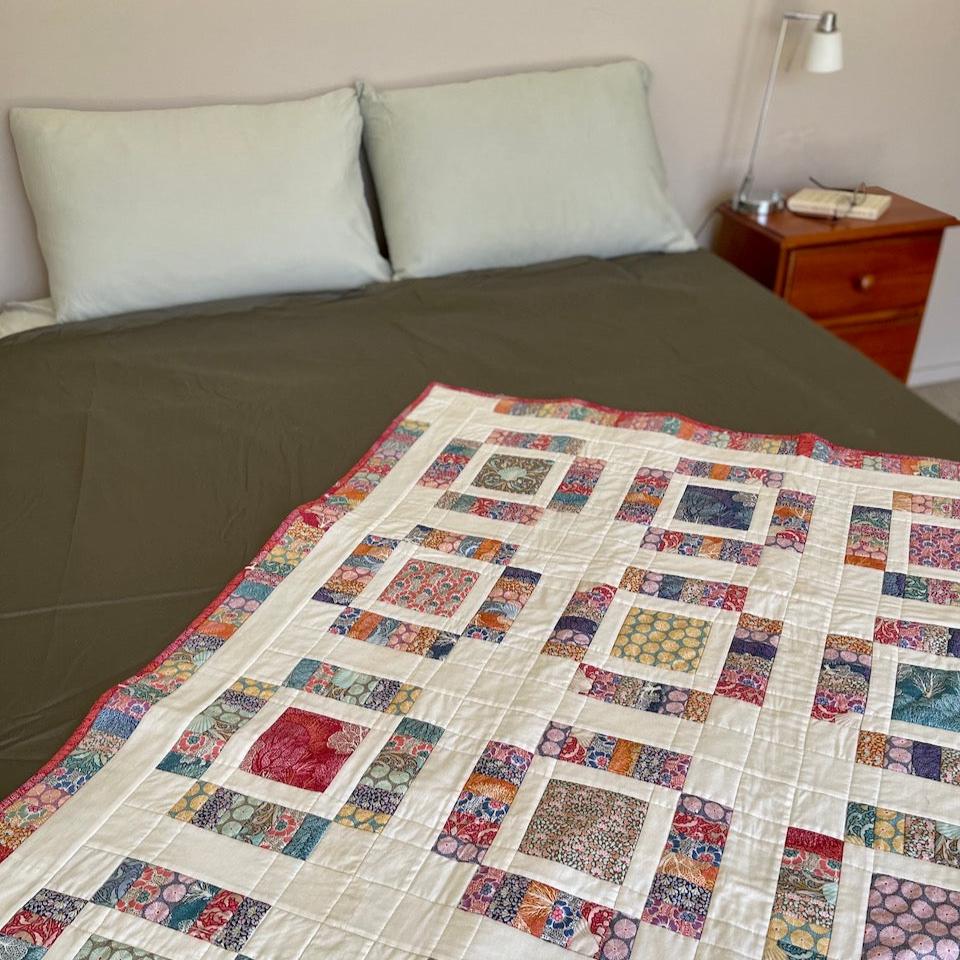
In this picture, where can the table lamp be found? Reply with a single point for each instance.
(824, 55)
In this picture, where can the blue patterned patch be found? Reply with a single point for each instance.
(714, 507)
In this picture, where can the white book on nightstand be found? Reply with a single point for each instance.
(815, 202)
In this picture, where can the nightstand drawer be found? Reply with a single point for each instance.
(864, 277)
(888, 342)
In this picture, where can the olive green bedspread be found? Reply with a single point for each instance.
(144, 459)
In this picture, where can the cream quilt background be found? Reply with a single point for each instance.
(555, 681)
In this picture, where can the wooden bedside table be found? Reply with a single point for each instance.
(865, 281)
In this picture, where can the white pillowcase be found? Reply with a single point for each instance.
(20, 315)
(152, 208)
(519, 169)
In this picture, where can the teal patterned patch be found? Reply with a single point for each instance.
(927, 696)
(100, 948)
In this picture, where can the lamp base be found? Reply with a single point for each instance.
(760, 206)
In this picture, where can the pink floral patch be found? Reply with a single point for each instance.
(933, 546)
(430, 587)
(303, 749)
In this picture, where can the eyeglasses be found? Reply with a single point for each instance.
(844, 205)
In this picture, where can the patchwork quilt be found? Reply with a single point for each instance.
(535, 676)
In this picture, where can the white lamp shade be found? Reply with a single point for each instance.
(825, 52)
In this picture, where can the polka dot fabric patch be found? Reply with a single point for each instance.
(665, 640)
(907, 920)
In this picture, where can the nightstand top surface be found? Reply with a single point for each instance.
(791, 230)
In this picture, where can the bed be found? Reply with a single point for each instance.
(156, 452)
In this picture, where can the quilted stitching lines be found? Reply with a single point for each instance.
(207, 734)
(352, 686)
(683, 885)
(201, 910)
(586, 828)
(803, 906)
(428, 587)
(574, 631)
(303, 749)
(378, 793)
(627, 758)
(486, 797)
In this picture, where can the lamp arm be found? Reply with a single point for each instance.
(768, 95)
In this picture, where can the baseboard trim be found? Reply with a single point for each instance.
(934, 373)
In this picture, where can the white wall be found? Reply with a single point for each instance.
(889, 118)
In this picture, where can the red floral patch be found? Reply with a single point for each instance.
(303, 749)
(32, 928)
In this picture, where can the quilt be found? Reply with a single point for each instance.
(535, 677)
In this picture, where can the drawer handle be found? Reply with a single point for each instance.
(865, 282)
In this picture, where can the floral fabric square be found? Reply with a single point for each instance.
(379, 791)
(303, 749)
(803, 907)
(258, 822)
(716, 507)
(682, 887)
(585, 828)
(868, 538)
(509, 473)
(844, 677)
(194, 907)
(933, 546)
(662, 639)
(429, 587)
